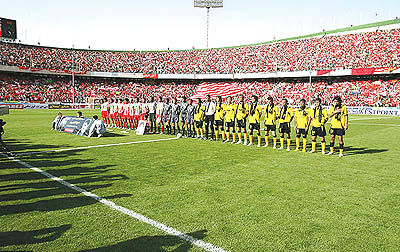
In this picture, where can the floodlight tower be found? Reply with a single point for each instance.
(208, 4)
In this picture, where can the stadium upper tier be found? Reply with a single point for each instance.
(368, 92)
(347, 51)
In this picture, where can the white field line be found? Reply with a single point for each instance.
(378, 124)
(194, 241)
(94, 146)
(371, 118)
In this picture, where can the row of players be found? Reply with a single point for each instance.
(164, 117)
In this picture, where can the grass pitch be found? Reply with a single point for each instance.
(235, 197)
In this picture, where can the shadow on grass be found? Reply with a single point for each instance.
(157, 243)
(350, 150)
(15, 145)
(53, 204)
(113, 134)
(32, 236)
(82, 172)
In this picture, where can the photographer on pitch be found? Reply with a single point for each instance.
(2, 123)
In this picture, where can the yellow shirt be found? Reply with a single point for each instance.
(316, 121)
(255, 112)
(230, 112)
(285, 117)
(338, 120)
(271, 113)
(241, 110)
(302, 116)
(219, 111)
(199, 112)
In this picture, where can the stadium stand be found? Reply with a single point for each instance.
(348, 51)
(367, 92)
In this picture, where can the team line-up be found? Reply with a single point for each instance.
(167, 116)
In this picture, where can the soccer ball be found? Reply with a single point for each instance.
(179, 135)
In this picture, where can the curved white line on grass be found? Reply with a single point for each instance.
(94, 146)
(197, 242)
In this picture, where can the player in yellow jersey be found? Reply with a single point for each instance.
(254, 113)
(219, 118)
(318, 118)
(285, 117)
(339, 124)
(199, 115)
(301, 124)
(271, 113)
(230, 113)
(241, 117)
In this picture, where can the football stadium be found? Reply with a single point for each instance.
(290, 144)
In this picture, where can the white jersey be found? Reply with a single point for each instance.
(98, 127)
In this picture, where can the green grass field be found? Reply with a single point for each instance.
(235, 197)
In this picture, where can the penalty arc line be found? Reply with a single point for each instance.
(197, 242)
(94, 146)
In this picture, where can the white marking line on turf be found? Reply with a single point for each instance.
(94, 146)
(377, 124)
(197, 242)
(370, 118)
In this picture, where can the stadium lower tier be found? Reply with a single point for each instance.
(366, 91)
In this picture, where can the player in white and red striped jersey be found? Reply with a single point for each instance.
(126, 113)
(137, 111)
(159, 113)
(145, 110)
(131, 114)
(120, 113)
(104, 110)
(112, 112)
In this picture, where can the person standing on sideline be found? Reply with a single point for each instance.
(209, 117)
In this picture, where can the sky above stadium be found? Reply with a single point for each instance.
(176, 24)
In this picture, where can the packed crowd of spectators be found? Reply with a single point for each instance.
(361, 50)
(353, 92)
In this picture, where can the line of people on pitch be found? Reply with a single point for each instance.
(219, 117)
(219, 120)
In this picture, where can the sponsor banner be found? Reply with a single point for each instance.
(79, 106)
(13, 105)
(176, 76)
(382, 111)
(374, 111)
(149, 76)
(117, 75)
(35, 106)
(323, 72)
(59, 106)
(75, 125)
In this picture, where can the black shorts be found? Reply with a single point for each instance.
(284, 128)
(318, 131)
(337, 132)
(254, 126)
(175, 119)
(152, 117)
(219, 123)
(301, 132)
(241, 123)
(199, 124)
(270, 127)
(183, 119)
(230, 124)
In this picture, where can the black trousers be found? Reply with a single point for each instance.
(3, 144)
(209, 125)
